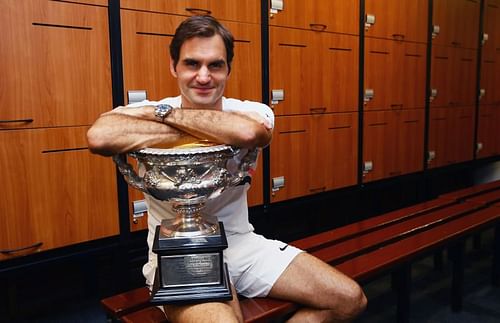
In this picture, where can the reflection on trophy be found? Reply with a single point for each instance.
(189, 246)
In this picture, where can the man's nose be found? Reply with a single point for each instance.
(203, 75)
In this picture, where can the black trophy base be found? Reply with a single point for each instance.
(191, 294)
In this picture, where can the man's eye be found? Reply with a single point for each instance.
(191, 63)
(217, 65)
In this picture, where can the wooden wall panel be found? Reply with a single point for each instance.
(458, 21)
(244, 11)
(330, 81)
(290, 157)
(321, 15)
(395, 71)
(55, 62)
(314, 153)
(393, 143)
(398, 20)
(451, 135)
(488, 131)
(56, 192)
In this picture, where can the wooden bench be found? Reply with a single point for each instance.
(348, 247)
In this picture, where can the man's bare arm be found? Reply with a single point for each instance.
(127, 129)
(247, 130)
(117, 132)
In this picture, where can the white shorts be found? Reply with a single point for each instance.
(255, 263)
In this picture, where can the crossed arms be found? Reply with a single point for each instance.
(127, 129)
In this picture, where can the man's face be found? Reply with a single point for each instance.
(202, 72)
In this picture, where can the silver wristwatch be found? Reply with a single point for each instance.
(162, 111)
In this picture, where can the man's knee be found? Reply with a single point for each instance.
(354, 302)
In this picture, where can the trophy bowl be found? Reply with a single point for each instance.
(189, 246)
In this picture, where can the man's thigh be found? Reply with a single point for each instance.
(212, 312)
(312, 282)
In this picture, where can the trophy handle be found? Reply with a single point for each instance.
(129, 173)
(247, 164)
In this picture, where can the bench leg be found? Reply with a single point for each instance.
(402, 282)
(457, 256)
(496, 258)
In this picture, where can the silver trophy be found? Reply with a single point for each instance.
(189, 247)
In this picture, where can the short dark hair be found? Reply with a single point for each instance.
(201, 26)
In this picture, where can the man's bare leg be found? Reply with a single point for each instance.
(329, 295)
(207, 312)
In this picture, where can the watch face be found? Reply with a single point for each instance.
(161, 111)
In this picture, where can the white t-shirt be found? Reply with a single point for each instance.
(230, 207)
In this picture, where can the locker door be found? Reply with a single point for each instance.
(290, 158)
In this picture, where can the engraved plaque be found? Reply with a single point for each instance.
(189, 270)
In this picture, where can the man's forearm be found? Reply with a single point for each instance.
(115, 133)
(230, 128)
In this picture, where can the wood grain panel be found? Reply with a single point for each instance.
(327, 79)
(398, 20)
(488, 131)
(56, 192)
(337, 158)
(451, 135)
(244, 11)
(458, 21)
(55, 63)
(323, 15)
(290, 157)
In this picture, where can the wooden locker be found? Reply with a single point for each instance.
(410, 141)
(56, 193)
(338, 152)
(316, 71)
(290, 158)
(488, 133)
(439, 137)
(491, 27)
(464, 77)
(313, 154)
(289, 52)
(319, 15)
(395, 71)
(379, 145)
(451, 135)
(244, 11)
(489, 82)
(442, 69)
(463, 134)
(404, 20)
(458, 21)
(55, 64)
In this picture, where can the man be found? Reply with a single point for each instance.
(201, 54)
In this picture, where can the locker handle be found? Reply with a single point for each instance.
(395, 173)
(455, 43)
(319, 189)
(398, 36)
(397, 105)
(318, 110)
(199, 11)
(318, 27)
(10, 251)
(17, 120)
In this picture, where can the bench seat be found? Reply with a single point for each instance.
(362, 250)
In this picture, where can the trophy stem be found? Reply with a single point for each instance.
(189, 222)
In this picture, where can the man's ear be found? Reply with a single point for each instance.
(172, 68)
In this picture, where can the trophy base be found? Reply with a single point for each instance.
(191, 294)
